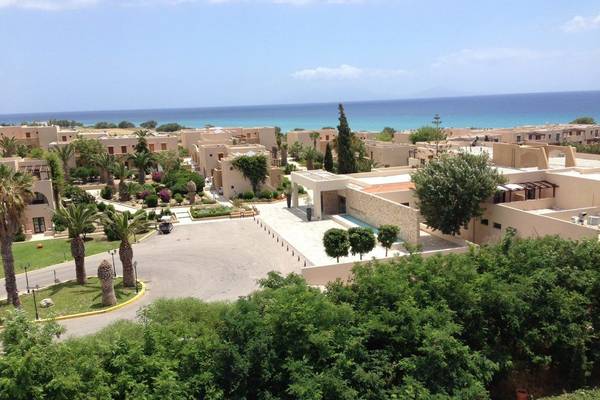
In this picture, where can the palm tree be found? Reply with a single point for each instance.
(310, 155)
(122, 173)
(105, 162)
(8, 146)
(77, 219)
(142, 144)
(142, 162)
(65, 153)
(15, 193)
(124, 228)
(314, 136)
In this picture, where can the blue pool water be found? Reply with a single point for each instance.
(359, 222)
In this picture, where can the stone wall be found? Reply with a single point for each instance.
(378, 211)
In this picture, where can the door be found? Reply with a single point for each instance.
(342, 204)
(39, 225)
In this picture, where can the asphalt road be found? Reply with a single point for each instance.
(217, 260)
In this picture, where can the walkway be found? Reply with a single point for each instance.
(216, 260)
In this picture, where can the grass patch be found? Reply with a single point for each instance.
(54, 251)
(69, 298)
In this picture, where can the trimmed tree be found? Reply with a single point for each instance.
(191, 191)
(123, 227)
(346, 158)
(15, 193)
(77, 218)
(328, 159)
(362, 240)
(105, 275)
(254, 168)
(336, 243)
(584, 121)
(450, 190)
(387, 236)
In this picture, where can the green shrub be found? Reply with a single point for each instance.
(151, 200)
(107, 192)
(20, 235)
(249, 195)
(177, 180)
(210, 212)
(101, 207)
(208, 201)
(265, 194)
(178, 198)
(289, 168)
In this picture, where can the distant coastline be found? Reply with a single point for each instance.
(485, 111)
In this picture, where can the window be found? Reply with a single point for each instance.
(326, 137)
(163, 146)
(39, 198)
(39, 225)
(500, 197)
(64, 138)
(151, 146)
(124, 149)
(485, 222)
(210, 155)
(518, 138)
(220, 156)
(558, 137)
(497, 225)
(27, 135)
(111, 150)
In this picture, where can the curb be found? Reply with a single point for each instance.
(103, 311)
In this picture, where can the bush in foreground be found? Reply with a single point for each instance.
(455, 327)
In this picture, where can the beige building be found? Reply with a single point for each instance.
(304, 138)
(38, 214)
(388, 154)
(545, 134)
(38, 136)
(230, 181)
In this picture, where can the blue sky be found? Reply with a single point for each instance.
(66, 55)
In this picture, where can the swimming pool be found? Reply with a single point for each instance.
(358, 222)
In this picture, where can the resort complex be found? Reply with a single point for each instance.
(218, 213)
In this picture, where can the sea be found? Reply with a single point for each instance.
(491, 111)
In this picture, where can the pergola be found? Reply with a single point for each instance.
(538, 186)
(317, 181)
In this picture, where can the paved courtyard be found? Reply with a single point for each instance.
(307, 237)
(217, 260)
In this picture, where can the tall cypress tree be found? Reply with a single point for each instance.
(346, 159)
(328, 159)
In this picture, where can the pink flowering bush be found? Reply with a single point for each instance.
(165, 195)
(157, 176)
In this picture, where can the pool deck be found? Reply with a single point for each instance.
(306, 237)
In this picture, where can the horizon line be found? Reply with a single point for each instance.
(301, 103)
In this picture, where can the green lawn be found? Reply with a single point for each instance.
(578, 395)
(69, 298)
(54, 251)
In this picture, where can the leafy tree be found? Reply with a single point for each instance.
(450, 190)
(336, 243)
(105, 125)
(36, 152)
(254, 168)
(296, 150)
(123, 228)
(386, 135)
(584, 121)
(328, 159)
(126, 125)
(168, 160)
(8, 146)
(345, 154)
(427, 134)
(64, 123)
(171, 127)
(142, 161)
(64, 153)
(57, 174)
(15, 194)
(362, 240)
(77, 218)
(387, 236)
(177, 181)
(151, 124)
(86, 150)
